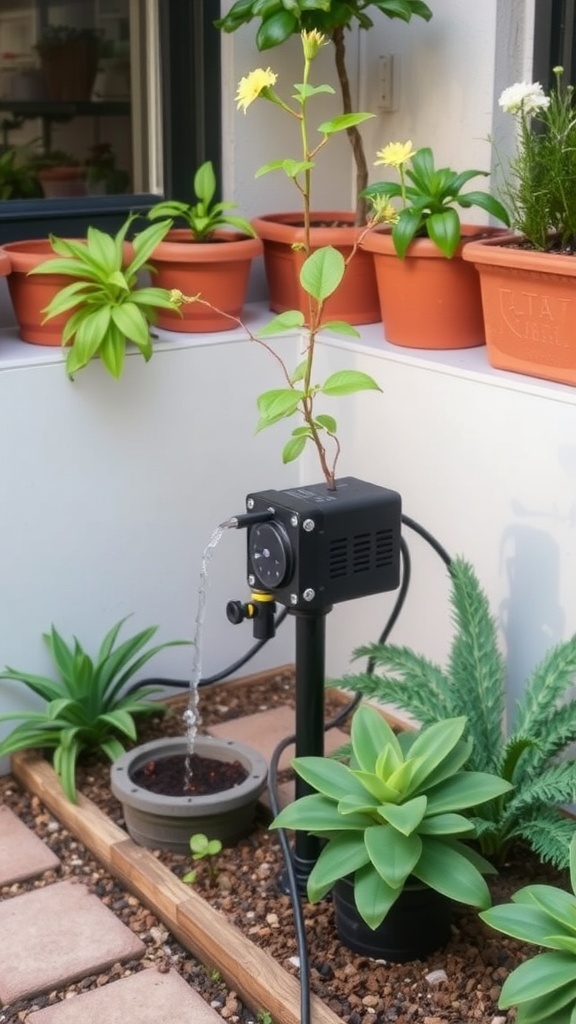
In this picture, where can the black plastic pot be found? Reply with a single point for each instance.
(415, 926)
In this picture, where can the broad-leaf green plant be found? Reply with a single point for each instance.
(86, 706)
(279, 19)
(474, 683)
(394, 815)
(543, 988)
(109, 305)
(428, 198)
(205, 216)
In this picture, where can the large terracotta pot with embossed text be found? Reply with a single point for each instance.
(528, 306)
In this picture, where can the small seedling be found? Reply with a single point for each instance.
(206, 849)
(263, 1017)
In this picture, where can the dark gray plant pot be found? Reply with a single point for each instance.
(415, 926)
(165, 822)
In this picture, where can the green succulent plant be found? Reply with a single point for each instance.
(109, 306)
(429, 201)
(474, 683)
(394, 815)
(205, 216)
(86, 708)
(544, 986)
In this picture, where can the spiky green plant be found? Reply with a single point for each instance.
(473, 683)
(86, 708)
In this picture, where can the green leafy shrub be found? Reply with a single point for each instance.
(474, 683)
(204, 216)
(86, 708)
(109, 305)
(543, 987)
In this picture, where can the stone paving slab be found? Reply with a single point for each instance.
(22, 854)
(148, 997)
(52, 936)
(265, 729)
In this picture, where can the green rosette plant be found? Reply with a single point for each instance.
(86, 708)
(543, 988)
(428, 197)
(529, 752)
(393, 815)
(109, 305)
(205, 216)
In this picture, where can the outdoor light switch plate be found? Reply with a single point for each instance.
(387, 79)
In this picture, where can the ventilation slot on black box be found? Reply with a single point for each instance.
(385, 548)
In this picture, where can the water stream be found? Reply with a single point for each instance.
(191, 716)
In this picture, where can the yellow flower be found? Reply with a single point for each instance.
(252, 85)
(395, 154)
(382, 210)
(312, 41)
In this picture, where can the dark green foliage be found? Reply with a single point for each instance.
(474, 684)
(86, 708)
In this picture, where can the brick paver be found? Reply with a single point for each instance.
(52, 936)
(148, 997)
(264, 731)
(22, 854)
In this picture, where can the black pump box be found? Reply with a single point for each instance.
(320, 546)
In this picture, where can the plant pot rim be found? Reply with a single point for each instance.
(380, 241)
(227, 247)
(287, 227)
(505, 252)
(141, 799)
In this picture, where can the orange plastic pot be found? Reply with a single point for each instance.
(426, 300)
(217, 271)
(31, 295)
(356, 298)
(528, 299)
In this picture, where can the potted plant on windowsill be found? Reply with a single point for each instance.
(103, 308)
(393, 827)
(212, 256)
(527, 280)
(60, 174)
(428, 297)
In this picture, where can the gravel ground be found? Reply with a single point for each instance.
(456, 985)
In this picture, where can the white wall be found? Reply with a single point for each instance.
(111, 490)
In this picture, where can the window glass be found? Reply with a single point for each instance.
(66, 99)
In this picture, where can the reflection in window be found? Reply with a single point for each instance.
(65, 99)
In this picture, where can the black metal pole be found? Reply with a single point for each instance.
(310, 681)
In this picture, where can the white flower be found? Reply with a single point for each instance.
(527, 97)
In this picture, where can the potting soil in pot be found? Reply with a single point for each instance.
(169, 776)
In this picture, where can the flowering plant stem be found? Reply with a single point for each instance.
(320, 276)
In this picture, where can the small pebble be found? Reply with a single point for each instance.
(435, 978)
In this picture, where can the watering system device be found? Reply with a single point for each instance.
(309, 548)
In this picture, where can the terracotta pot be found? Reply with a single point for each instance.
(167, 822)
(528, 304)
(5, 264)
(62, 181)
(31, 295)
(426, 300)
(217, 270)
(354, 301)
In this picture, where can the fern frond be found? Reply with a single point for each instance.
(420, 687)
(549, 835)
(476, 666)
(559, 731)
(515, 753)
(554, 786)
(546, 685)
